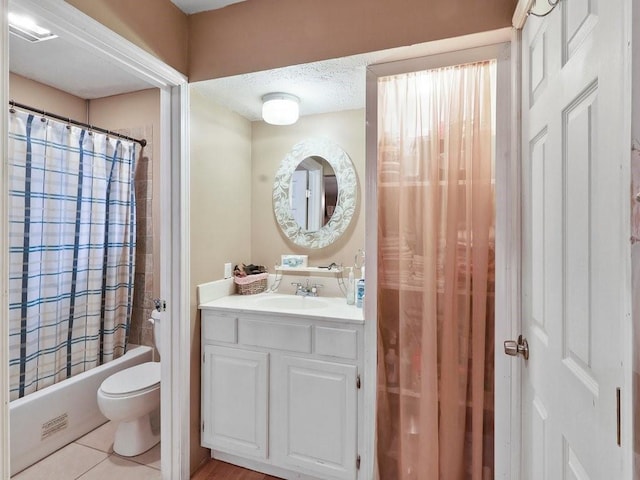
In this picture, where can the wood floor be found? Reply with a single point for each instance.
(216, 470)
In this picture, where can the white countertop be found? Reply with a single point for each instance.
(330, 308)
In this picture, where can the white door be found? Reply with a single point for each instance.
(574, 234)
(319, 417)
(235, 400)
(299, 197)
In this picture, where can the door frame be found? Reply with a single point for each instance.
(501, 45)
(174, 237)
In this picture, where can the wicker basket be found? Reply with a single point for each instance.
(251, 284)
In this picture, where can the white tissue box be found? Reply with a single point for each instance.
(294, 261)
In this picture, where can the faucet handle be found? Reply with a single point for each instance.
(315, 287)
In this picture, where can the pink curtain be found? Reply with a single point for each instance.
(436, 274)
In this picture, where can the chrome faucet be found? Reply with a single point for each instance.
(306, 290)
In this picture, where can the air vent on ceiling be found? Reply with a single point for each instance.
(28, 30)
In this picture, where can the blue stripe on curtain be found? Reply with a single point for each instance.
(76, 248)
(25, 260)
(72, 250)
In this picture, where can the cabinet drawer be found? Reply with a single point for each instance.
(219, 328)
(281, 336)
(336, 342)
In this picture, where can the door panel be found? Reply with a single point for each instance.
(574, 230)
(319, 417)
(235, 400)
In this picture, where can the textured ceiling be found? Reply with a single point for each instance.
(195, 6)
(327, 86)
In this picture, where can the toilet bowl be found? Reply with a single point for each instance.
(129, 397)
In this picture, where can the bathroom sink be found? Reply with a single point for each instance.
(293, 302)
(288, 305)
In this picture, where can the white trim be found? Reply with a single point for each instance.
(521, 13)
(508, 254)
(4, 245)
(370, 378)
(631, 104)
(94, 36)
(507, 239)
(181, 286)
(514, 249)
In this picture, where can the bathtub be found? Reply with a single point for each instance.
(47, 420)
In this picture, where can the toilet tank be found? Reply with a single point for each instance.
(156, 316)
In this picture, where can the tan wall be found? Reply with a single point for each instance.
(157, 26)
(270, 144)
(129, 110)
(263, 34)
(220, 217)
(47, 98)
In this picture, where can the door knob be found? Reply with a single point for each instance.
(514, 348)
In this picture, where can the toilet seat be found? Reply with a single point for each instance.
(132, 381)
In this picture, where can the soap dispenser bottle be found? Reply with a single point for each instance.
(351, 288)
(360, 290)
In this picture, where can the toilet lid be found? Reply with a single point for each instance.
(132, 379)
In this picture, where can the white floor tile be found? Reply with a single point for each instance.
(101, 438)
(68, 463)
(118, 468)
(150, 458)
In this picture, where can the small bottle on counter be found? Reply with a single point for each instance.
(351, 288)
(360, 290)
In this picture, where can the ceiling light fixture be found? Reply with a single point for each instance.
(280, 108)
(27, 29)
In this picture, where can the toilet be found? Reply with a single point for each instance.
(129, 397)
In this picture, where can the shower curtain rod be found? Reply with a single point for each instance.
(13, 104)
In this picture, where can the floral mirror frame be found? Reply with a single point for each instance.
(347, 193)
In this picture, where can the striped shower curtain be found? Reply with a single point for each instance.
(72, 250)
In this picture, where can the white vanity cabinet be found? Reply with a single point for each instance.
(281, 392)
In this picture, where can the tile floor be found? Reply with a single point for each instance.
(91, 458)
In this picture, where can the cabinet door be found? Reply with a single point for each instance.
(319, 415)
(235, 400)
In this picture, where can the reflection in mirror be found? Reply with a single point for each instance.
(315, 220)
(314, 193)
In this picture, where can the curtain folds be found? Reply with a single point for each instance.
(72, 250)
(436, 274)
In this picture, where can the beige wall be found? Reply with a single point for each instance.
(47, 98)
(263, 34)
(129, 110)
(157, 26)
(270, 144)
(220, 217)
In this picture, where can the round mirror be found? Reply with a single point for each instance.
(315, 193)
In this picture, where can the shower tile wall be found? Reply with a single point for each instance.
(141, 331)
